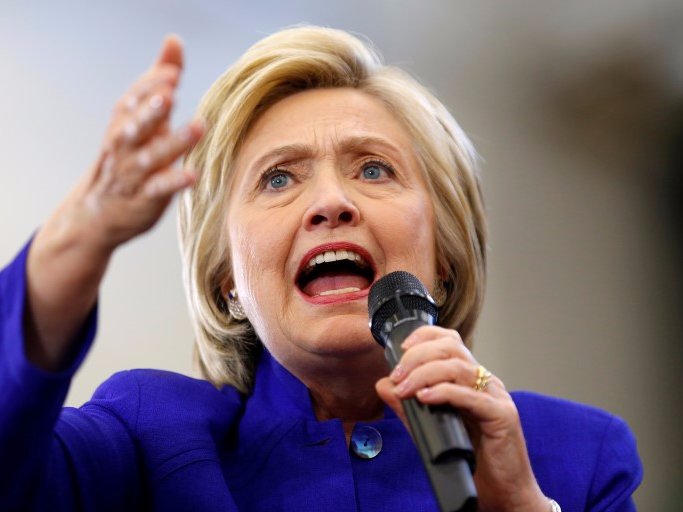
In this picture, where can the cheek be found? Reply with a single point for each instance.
(411, 239)
(249, 255)
(244, 259)
(259, 257)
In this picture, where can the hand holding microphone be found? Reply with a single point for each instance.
(438, 387)
(398, 304)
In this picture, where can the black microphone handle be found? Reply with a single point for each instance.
(440, 436)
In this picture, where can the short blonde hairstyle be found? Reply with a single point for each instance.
(278, 66)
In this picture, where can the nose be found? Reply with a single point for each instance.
(330, 205)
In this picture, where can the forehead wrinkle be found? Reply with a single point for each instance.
(288, 151)
(366, 143)
(334, 143)
(340, 144)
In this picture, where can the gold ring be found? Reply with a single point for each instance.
(483, 379)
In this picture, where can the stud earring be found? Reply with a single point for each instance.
(439, 295)
(235, 306)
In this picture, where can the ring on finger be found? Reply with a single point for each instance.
(483, 379)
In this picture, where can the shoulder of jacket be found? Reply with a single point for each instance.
(543, 410)
(164, 396)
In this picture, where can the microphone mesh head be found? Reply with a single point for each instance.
(382, 304)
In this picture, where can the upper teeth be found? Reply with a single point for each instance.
(342, 254)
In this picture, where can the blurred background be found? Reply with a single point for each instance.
(575, 107)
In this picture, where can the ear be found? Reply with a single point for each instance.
(441, 273)
(226, 286)
(223, 275)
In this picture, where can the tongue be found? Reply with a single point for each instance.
(335, 282)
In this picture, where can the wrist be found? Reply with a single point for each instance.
(535, 501)
(542, 503)
(68, 241)
(532, 501)
(64, 269)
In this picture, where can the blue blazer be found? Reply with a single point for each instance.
(156, 440)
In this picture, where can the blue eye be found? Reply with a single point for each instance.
(376, 171)
(373, 171)
(279, 180)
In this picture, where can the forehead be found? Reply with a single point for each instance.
(325, 119)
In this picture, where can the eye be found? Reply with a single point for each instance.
(376, 170)
(279, 180)
(275, 179)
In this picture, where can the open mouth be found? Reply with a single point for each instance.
(335, 272)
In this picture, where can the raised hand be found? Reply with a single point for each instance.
(123, 195)
(132, 182)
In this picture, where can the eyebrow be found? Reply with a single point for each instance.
(355, 144)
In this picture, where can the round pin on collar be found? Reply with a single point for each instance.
(366, 442)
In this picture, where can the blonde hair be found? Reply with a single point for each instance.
(280, 65)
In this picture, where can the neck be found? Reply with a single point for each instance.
(358, 403)
(345, 389)
(349, 402)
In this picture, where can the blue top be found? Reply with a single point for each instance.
(156, 440)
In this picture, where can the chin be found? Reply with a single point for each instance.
(342, 336)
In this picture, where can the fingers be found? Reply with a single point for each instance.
(171, 52)
(150, 83)
(429, 333)
(139, 144)
(437, 368)
(434, 372)
(147, 167)
(148, 118)
(160, 152)
(144, 109)
(132, 181)
(167, 183)
(480, 405)
(165, 71)
(170, 181)
(427, 344)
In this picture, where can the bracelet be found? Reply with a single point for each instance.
(554, 506)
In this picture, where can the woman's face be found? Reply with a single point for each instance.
(328, 197)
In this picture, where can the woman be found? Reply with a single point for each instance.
(316, 171)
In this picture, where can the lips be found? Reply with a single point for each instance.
(335, 270)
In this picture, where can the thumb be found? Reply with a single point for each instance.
(385, 390)
(171, 52)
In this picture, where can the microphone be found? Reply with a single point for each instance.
(398, 303)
